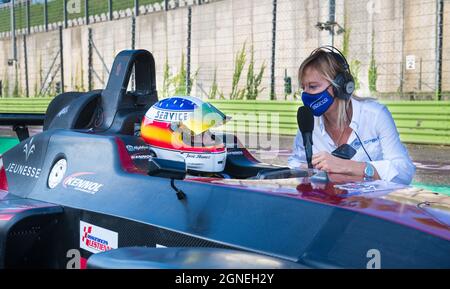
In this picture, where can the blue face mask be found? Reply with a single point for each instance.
(318, 102)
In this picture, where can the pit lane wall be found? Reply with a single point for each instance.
(423, 122)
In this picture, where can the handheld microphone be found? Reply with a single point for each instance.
(305, 121)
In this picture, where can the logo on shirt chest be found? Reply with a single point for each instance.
(356, 144)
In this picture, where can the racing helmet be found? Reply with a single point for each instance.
(178, 128)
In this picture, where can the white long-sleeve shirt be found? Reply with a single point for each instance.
(375, 126)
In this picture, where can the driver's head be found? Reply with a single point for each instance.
(178, 128)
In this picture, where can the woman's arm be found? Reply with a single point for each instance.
(357, 169)
(298, 152)
(326, 162)
(396, 165)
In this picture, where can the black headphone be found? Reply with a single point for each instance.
(344, 84)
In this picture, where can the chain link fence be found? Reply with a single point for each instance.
(226, 49)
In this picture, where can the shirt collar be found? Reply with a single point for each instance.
(354, 124)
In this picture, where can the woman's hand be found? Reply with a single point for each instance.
(326, 162)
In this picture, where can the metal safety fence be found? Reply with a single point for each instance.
(226, 49)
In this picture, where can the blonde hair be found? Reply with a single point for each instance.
(329, 67)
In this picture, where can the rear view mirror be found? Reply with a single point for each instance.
(166, 169)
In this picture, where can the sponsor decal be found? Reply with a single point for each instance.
(356, 144)
(63, 111)
(141, 157)
(168, 116)
(171, 116)
(319, 103)
(198, 156)
(23, 170)
(132, 148)
(29, 148)
(77, 182)
(118, 68)
(97, 239)
(235, 153)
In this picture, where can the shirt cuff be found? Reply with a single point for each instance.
(385, 169)
(294, 163)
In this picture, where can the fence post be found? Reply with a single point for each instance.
(166, 5)
(332, 18)
(65, 13)
(25, 55)
(45, 15)
(274, 36)
(439, 44)
(402, 75)
(420, 75)
(136, 7)
(90, 59)
(110, 9)
(133, 32)
(61, 55)
(86, 11)
(28, 16)
(13, 31)
(188, 61)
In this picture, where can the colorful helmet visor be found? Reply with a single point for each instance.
(190, 112)
(182, 124)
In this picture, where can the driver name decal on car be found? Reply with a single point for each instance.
(198, 156)
(76, 182)
(97, 239)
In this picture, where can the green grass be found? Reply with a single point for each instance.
(56, 12)
(434, 188)
(6, 143)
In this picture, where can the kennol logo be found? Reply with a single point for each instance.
(75, 182)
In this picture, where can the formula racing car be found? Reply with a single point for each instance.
(88, 191)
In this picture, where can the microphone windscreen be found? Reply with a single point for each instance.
(305, 119)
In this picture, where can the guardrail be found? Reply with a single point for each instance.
(425, 122)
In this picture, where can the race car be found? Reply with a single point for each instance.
(89, 192)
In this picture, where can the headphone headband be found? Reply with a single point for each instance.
(336, 53)
(344, 84)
